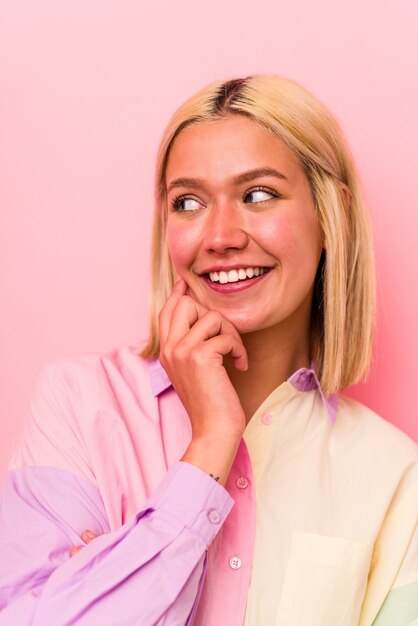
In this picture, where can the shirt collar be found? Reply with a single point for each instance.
(304, 379)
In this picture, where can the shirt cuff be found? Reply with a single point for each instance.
(193, 498)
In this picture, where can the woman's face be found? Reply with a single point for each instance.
(245, 240)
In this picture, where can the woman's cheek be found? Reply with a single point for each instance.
(182, 245)
(277, 236)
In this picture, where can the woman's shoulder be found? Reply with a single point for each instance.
(74, 399)
(97, 369)
(80, 388)
(373, 436)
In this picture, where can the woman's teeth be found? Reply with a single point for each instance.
(233, 276)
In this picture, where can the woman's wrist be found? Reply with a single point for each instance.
(214, 455)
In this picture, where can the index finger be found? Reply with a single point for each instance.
(164, 317)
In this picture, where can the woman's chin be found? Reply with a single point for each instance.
(242, 323)
(244, 319)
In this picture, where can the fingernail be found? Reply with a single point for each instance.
(89, 534)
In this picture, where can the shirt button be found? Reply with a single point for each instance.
(242, 482)
(235, 562)
(266, 418)
(214, 516)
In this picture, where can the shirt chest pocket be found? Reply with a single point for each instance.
(325, 581)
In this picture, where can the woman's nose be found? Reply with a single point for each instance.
(225, 229)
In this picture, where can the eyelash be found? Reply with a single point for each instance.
(175, 203)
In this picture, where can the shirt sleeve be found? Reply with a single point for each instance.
(401, 604)
(149, 571)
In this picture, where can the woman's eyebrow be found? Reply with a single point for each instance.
(237, 180)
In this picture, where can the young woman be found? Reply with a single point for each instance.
(229, 481)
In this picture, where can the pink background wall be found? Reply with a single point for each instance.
(86, 89)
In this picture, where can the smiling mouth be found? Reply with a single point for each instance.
(230, 282)
(235, 276)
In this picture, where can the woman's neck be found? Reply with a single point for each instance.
(273, 355)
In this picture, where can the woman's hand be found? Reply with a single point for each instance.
(86, 536)
(193, 343)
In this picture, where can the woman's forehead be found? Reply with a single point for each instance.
(226, 148)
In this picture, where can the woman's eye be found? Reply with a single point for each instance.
(259, 195)
(184, 203)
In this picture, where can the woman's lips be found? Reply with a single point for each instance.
(231, 288)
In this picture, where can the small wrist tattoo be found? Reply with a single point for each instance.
(214, 477)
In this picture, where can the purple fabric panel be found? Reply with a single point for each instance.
(306, 380)
(194, 512)
(149, 571)
(43, 511)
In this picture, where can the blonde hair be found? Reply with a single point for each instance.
(343, 307)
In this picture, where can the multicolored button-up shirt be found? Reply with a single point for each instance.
(316, 525)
